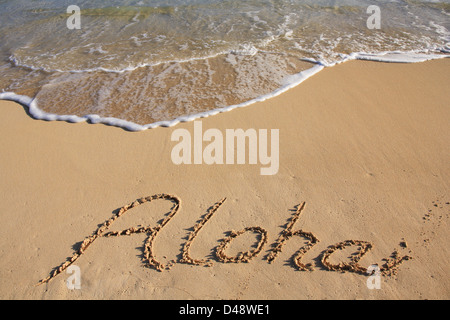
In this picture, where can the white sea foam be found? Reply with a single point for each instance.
(18, 63)
(399, 57)
(131, 126)
(288, 83)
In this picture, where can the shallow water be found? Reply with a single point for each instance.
(147, 61)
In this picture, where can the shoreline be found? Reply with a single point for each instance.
(291, 82)
(363, 157)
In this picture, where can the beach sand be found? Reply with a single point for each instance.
(365, 145)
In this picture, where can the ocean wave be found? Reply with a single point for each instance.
(290, 82)
(150, 61)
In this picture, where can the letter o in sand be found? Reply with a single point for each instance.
(242, 257)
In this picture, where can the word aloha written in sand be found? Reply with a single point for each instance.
(149, 258)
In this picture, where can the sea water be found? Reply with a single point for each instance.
(144, 63)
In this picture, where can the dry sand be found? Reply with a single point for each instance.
(364, 145)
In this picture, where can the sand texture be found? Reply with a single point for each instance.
(363, 179)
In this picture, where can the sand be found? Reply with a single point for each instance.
(363, 176)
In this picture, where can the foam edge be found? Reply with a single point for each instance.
(288, 83)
